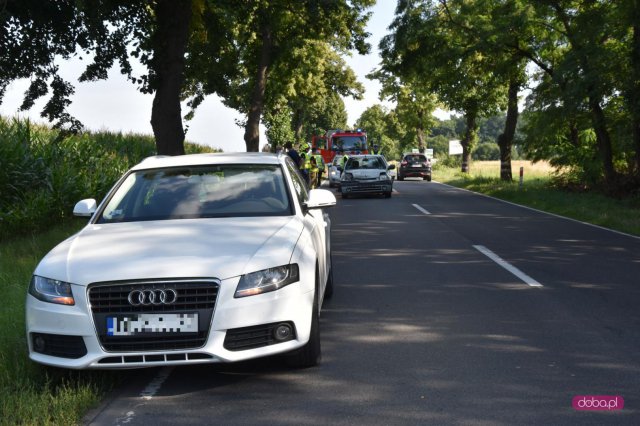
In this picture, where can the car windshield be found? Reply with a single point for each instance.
(349, 143)
(199, 192)
(369, 163)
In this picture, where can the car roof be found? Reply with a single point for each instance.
(162, 161)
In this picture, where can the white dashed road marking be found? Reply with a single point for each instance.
(420, 208)
(515, 271)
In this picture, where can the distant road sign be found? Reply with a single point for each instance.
(429, 153)
(455, 147)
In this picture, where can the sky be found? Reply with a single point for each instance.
(116, 105)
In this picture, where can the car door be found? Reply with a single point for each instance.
(316, 223)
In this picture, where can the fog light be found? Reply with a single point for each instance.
(283, 332)
(39, 343)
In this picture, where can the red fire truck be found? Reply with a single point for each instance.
(337, 141)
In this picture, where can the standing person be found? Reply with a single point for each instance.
(313, 172)
(291, 152)
(304, 165)
(343, 161)
(320, 166)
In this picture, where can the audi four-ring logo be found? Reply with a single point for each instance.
(152, 297)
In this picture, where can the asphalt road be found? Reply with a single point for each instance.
(449, 308)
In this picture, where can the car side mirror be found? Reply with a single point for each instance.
(320, 198)
(85, 208)
(391, 167)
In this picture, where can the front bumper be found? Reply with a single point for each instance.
(366, 187)
(237, 329)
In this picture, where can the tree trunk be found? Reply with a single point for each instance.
(422, 140)
(298, 124)
(252, 129)
(170, 42)
(604, 142)
(505, 140)
(469, 139)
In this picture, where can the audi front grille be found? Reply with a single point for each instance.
(115, 301)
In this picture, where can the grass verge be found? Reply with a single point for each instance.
(539, 191)
(32, 394)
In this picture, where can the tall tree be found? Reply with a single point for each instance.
(415, 103)
(35, 34)
(379, 124)
(267, 35)
(320, 72)
(424, 46)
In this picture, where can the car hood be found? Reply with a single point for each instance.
(362, 174)
(214, 248)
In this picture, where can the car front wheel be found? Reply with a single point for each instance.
(310, 354)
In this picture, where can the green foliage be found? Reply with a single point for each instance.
(45, 173)
(486, 151)
(278, 126)
(273, 53)
(35, 34)
(376, 121)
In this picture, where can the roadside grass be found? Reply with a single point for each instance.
(539, 191)
(32, 394)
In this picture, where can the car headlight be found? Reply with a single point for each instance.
(267, 280)
(52, 291)
(347, 176)
(383, 176)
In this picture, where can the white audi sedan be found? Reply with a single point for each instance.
(189, 259)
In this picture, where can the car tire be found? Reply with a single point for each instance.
(428, 178)
(400, 177)
(310, 354)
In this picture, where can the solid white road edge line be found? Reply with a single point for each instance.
(420, 208)
(515, 271)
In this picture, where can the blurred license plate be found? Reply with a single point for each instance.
(416, 165)
(152, 323)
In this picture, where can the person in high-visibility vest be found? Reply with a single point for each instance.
(343, 161)
(313, 172)
(305, 164)
(319, 166)
(375, 150)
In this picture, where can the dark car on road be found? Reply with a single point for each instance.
(414, 165)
